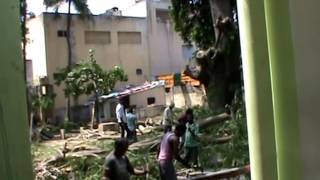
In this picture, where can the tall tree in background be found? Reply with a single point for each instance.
(212, 26)
(24, 16)
(82, 7)
(88, 78)
(23, 19)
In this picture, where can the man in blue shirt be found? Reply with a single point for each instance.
(131, 122)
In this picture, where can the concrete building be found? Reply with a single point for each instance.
(144, 46)
(165, 45)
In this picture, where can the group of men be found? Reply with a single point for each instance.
(185, 134)
(127, 121)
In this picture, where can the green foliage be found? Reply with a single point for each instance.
(88, 168)
(235, 152)
(88, 77)
(23, 13)
(80, 5)
(41, 152)
(46, 102)
(69, 125)
(193, 21)
(138, 160)
(201, 112)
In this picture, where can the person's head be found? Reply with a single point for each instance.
(119, 100)
(130, 110)
(189, 114)
(121, 146)
(179, 130)
(122, 100)
(171, 106)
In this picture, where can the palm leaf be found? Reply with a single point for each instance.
(53, 3)
(82, 7)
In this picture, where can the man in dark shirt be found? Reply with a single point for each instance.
(184, 119)
(117, 164)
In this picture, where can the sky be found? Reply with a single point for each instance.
(96, 6)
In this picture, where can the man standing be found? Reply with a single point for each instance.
(192, 143)
(169, 150)
(131, 121)
(121, 117)
(167, 120)
(117, 164)
(184, 119)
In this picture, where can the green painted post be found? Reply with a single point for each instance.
(15, 157)
(283, 80)
(254, 48)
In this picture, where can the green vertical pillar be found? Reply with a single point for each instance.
(257, 81)
(15, 158)
(283, 80)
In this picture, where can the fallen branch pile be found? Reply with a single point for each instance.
(208, 175)
(77, 146)
(204, 123)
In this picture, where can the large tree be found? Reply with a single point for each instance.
(24, 16)
(82, 7)
(88, 78)
(212, 26)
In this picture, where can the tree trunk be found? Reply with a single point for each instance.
(69, 54)
(186, 96)
(69, 34)
(24, 39)
(96, 105)
(220, 9)
(224, 60)
(23, 13)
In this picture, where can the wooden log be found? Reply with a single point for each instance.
(145, 143)
(111, 126)
(204, 123)
(223, 174)
(213, 120)
(222, 140)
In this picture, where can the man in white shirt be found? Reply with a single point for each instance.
(167, 120)
(121, 117)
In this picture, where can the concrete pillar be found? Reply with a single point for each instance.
(258, 92)
(285, 101)
(15, 157)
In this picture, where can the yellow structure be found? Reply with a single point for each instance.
(169, 80)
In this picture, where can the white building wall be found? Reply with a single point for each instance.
(128, 55)
(166, 54)
(140, 99)
(36, 47)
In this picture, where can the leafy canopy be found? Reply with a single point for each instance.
(88, 77)
(80, 5)
(193, 20)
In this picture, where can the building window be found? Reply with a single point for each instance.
(62, 33)
(97, 37)
(162, 15)
(129, 37)
(139, 71)
(151, 100)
